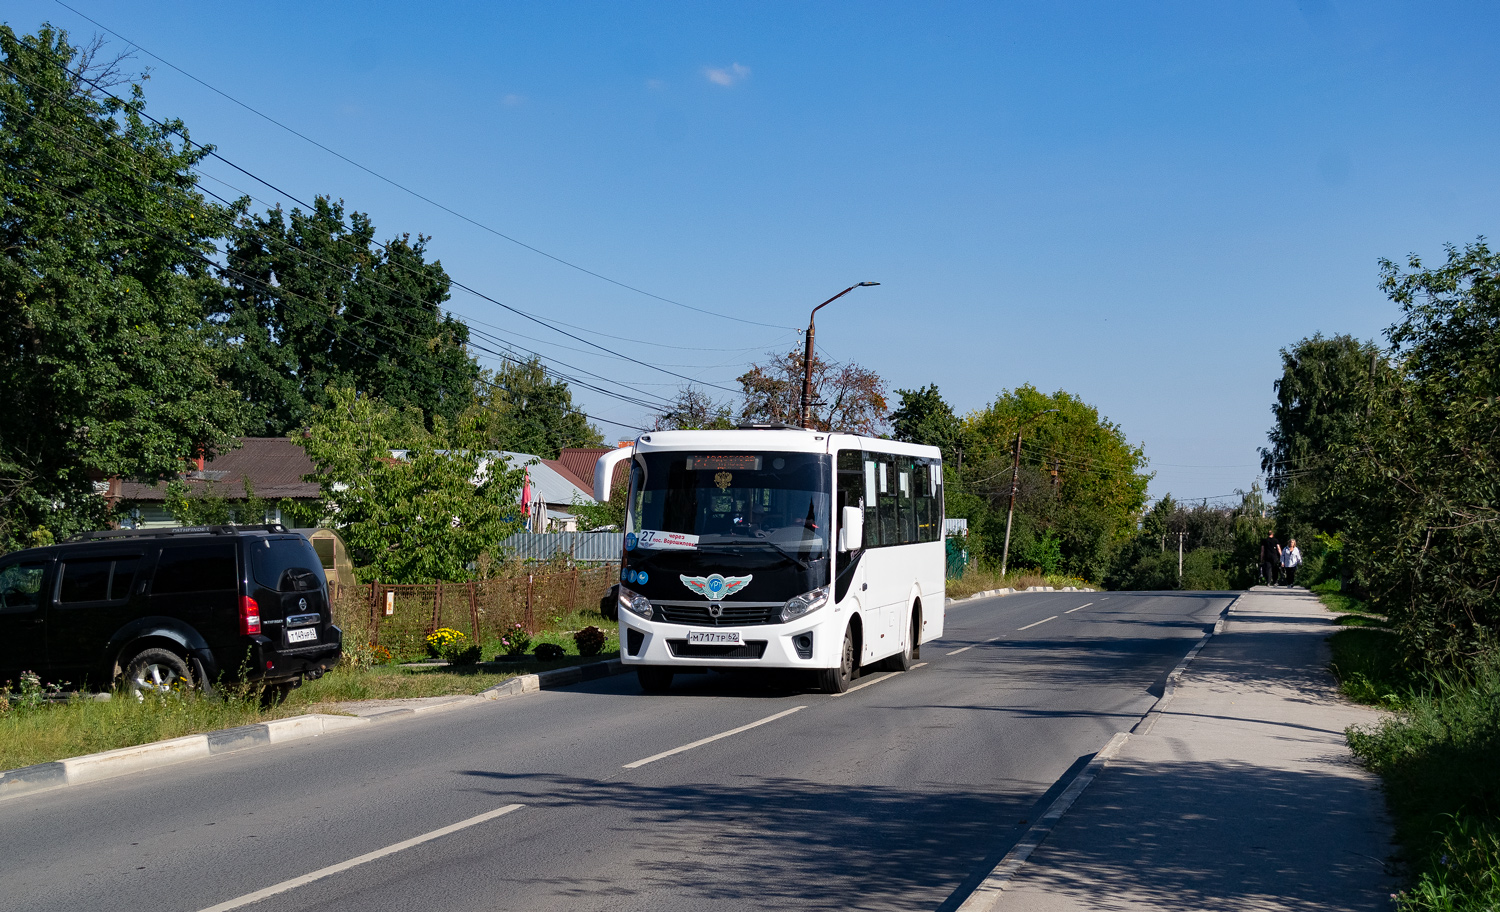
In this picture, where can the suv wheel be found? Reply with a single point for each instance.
(156, 670)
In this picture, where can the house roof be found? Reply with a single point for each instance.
(579, 463)
(550, 480)
(274, 466)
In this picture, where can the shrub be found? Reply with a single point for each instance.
(590, 640)
(449, 644)
(516, 641)
(548, 652)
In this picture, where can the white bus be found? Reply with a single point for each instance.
(777, 548)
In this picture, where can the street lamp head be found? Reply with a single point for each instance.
(865, 284)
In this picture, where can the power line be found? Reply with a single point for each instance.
(408, 190)
(452, 281)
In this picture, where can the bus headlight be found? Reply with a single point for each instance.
(806, 603)
(635, 603)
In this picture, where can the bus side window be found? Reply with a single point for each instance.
(890, 520)
(850, 488)
(921, 481)
(873, 538)
(906, 499)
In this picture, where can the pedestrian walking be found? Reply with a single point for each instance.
(1291, 559)
(1270, 559)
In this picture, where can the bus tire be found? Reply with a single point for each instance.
(837, 680)
(654, 680)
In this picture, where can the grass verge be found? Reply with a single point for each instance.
(41, 731)
(977, 580)
(1438, 757)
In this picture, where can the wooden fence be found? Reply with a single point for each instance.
(400, 616)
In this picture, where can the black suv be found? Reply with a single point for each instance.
(162, 607)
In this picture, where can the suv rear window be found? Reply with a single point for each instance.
(286, 564)
(208, 567)
(21, 586)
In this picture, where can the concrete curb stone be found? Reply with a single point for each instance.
(122, 761)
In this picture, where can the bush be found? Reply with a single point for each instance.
(516, 641)
(590, 640)
(451, 646)
(549, 652)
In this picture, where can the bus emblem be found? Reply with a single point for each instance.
(715, 587)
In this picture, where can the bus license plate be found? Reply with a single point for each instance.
(715, 637)
(303, 635)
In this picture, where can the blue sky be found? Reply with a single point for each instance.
(1137, 203)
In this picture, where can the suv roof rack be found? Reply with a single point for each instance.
(177, 530)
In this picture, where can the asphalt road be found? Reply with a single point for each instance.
(900, 794)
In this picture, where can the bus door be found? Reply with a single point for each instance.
(885, 573)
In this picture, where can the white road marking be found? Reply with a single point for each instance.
(885, 677)
(965, 649)
(1079, 608)
(331, 870)
(1042, 621)
(711, 738)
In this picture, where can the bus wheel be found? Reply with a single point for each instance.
(836, 680)
(654, 680)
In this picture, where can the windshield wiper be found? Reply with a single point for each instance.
(764, 541)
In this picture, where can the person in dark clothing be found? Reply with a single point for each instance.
(1270, 559)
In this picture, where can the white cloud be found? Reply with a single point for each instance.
(726, 76)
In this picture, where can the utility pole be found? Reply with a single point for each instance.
(807, 357)
(1179, 555)
(1015, 483)
(1015, 479)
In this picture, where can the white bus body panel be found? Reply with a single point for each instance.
(887, 584)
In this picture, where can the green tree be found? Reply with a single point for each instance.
(925, 417)
(1080, 479)
(105, 363)
(1322, 400)
(693, 410)
(525, 411)
(413, 505)
(312, 302)
(1420, 482)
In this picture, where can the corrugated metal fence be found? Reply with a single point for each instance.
(583, 547)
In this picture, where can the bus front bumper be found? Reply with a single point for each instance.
(803, 643)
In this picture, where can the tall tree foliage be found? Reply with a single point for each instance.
(1321, 403)
(925, 417)
(694, 410)
(424, 515)
(525, 411)
(1081, 481)
(1419, 485)
(313, 301)
(105, 366)
(846, 397)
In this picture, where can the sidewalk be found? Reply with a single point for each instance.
(1241, 795)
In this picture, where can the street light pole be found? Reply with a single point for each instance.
(805, 413)
(1015, 481)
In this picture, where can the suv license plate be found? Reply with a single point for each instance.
(715, 637)
(302, 635)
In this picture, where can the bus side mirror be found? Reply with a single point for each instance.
(852, 529)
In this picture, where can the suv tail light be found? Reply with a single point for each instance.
(249, 615)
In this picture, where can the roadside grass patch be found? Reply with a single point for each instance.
(56, 730)
(976, 580)
(1439, 759)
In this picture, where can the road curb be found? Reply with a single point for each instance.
(988, 892)
(999, 593)
(125, 760)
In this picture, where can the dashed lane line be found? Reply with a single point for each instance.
(342, 866)
(971, 646)
(1042, 621)
(711, 738)
(874, 681)
(1079, 608)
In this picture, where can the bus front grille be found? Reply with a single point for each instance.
(732, 615)
(752, 649)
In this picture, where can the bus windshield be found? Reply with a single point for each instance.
(721, 500)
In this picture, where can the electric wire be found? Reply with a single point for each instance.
(414, 193)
